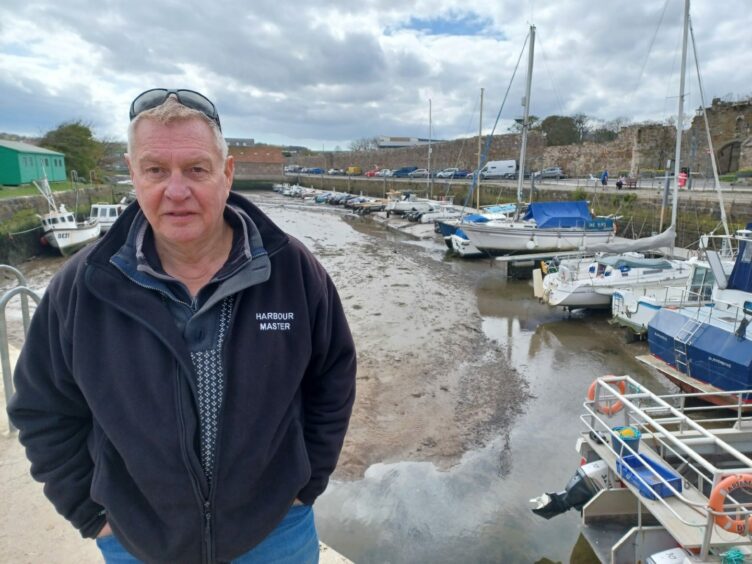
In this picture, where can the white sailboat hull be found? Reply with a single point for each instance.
(512, 237)
(581, 288)
(463, 247)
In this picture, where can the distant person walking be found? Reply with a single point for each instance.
(604, 178)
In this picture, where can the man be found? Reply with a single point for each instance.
(187, 382)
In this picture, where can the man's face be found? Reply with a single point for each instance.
(180, 179)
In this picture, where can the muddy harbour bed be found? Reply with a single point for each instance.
(469, 393)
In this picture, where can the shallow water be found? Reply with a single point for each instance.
(477, 510)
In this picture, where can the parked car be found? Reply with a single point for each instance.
(384, 172)
(461, 173)
(371, 173)
(418, 173)
(335, 172)
(354, 171)
(404, 172)
(448, 173)
(550, 172)
(316, 170)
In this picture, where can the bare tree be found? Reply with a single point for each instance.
(365, 144)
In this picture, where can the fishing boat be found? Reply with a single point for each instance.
(707, 346)
(107, 214)
(61, 230)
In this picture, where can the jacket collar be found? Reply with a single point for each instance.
(266, 234)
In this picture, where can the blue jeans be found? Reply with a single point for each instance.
(294, 541)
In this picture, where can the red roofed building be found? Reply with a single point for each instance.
(257, 162)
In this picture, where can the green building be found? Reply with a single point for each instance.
(20, 163)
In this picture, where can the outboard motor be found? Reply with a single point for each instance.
(587, 481)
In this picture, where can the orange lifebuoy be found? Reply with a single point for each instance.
(607, 408)
(718, 496)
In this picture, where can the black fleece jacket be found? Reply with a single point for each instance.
(105, 403)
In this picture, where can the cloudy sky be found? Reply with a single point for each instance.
(322, 74)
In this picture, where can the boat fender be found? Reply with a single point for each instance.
(607, 407)
(718, 497)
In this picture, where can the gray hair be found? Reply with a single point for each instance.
(171, 111)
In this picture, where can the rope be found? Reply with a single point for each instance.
(733, 556)
(27, 231)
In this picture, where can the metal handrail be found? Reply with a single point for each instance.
(641, 409)
(25, 292)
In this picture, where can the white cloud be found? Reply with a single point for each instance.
(324, 73)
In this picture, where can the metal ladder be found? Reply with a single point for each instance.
(681, 340)
(25, 293)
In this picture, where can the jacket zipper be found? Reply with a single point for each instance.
(218, 443)
(207, 532)
(204, 504)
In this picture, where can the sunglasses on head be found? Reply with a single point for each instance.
(189, 98)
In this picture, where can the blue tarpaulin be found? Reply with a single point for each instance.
(548, 215)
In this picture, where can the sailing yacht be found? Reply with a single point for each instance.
(591, 282)
(546, 226)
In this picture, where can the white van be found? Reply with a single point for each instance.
(499, 169)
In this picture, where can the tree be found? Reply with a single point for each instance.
(365, 144)
(75, 140)
(581, 122)
(560, 130)
(602, 135)
(516, 127)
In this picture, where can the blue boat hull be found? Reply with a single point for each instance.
(714, 355)
(446, 229)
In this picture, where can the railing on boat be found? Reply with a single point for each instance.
(698, 441)
(24, 292)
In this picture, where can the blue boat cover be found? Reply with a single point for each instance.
(619, 261)
(741, 275)
(500, 208)
(475, 218)
(550, 215)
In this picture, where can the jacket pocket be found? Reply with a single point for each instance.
(97, 460)
(303, 449)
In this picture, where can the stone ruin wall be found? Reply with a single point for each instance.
(730, 125)
(638, 149)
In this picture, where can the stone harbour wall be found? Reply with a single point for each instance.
(638, 149)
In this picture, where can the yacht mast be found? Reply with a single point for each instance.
(680, 116)
(480, 137)
(526, 114)
(428, 178)
(713, 163)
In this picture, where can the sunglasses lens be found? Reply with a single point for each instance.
(198, 102)
(148, 100)
(189, 98)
